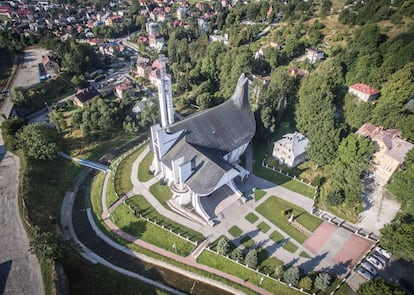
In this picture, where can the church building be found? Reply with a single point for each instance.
(199, 154)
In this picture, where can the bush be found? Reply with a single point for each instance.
(322, 281)
(223, 246)
(251, 258)
(46, 246)
(237, 255)
(279, 271)
(292, 276)
(306, 284)
(335, 198)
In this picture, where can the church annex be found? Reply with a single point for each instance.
(199, 154)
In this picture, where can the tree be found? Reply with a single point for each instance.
(237, 254)
(46, 246)
(402, 184)
(38, 141)
(322, 281)
(292, 276)
(306, 283)
(223, 246)
(378, 286)
(398, 237)
(251, 258)
(279, 271)
(18, 96)
(315, 117)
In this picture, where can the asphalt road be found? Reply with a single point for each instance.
(19, 270)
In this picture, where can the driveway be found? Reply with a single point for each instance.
(19, 270)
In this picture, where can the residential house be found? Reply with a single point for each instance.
(50, 63)
(364, 92)
(143, 67)
(124, 89)
(392, 148)
(84, 96)
(152, 28)
(314, 55)
(290, 150)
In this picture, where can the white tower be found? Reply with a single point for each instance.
(165, 93)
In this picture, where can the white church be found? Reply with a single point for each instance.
(198, 155)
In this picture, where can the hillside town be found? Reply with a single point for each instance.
(228, 147)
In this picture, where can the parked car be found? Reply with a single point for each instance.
(383, 252)
(375, 262)
(364, 273)
(369, 267)
(379, 257)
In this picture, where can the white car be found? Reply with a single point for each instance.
(369, 267)
(364, 273)
(375, 262)
(379, 257)
(383, 252)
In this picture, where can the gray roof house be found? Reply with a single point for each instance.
(291, 149)
(199, 154)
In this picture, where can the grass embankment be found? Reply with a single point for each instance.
(125, 219)
(123, 182)
(144, 173)
(274, 210)
(161, 192)
(221, 263)
(141, 206)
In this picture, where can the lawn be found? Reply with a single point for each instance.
(304, 255)
(225, 265)
(258, 194)
(247, 242)
(141, 206)
(264, 227)
(235, 231)
(251, 217)
(123, 182)
(125, 219)
(274, 208)
(161, 192)
(289, 246)
(111, 196)
(144, 173)
(276, 237)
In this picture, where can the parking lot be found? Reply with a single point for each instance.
(28, 73)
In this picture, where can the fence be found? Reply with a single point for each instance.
(195, 243)
(115, 164)
(264, 275)
(287, 174)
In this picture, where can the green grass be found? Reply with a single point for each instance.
(123, 182)
(247, 242)
(225, 265)
(124, 218)
(258, 194)
(141, 206)
(161, 192)
(251, 217)
(235, 231)
(111, 196)
(268, 266)
(272, 209)
(345, 290)
(304, 255)
(289, 246)
(276, 237)
(264, 227)
(144, 173)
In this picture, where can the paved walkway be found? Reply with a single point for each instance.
(231, 217)
(19, 269)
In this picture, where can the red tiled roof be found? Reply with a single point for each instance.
(364, 88)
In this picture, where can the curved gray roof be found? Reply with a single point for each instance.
(224, 127)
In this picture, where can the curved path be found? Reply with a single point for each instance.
(19, 269)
